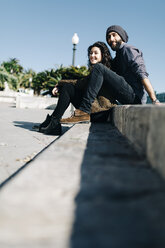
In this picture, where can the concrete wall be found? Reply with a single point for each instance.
(144, 126)
(36, 102)
(9, 99)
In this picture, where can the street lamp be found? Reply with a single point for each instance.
(75, 41)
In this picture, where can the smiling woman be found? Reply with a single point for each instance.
(95, 55)
(100, 50)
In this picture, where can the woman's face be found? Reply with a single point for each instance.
(95, 55)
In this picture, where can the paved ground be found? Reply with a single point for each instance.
(18, 142)
(87, 189)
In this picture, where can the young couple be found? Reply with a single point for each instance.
(125, 78)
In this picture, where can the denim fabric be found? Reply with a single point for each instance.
(68, 94)
(117, 86)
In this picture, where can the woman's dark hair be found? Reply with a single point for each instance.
(106, 55)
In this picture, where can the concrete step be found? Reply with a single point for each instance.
(37, 205)
(143, 125)
(89, 188)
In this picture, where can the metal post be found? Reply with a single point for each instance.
(74, 51)
(75, 40)
(73, 64)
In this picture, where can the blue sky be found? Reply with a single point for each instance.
(39, 32)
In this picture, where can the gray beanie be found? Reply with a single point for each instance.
(115, 28)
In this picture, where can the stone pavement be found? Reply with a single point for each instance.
(18, 142)
(88, 188)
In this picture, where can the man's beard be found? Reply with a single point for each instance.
(116, 45)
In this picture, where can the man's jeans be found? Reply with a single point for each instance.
(118, 88)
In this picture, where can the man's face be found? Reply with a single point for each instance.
(114, 40)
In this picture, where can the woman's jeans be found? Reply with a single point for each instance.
(68, 94)
(118, 88)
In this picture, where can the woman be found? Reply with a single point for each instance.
(69, 93)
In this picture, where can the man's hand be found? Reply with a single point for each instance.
(148, 87)
(156, 102)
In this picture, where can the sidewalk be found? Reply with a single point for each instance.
(89, 188)
(18, 142)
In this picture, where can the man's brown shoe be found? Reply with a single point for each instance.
(79, 116)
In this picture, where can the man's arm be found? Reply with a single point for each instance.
(148, 87)
(134, 58)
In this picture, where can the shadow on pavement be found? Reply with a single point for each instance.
(121, 200)
(29, 126)
(25, 125)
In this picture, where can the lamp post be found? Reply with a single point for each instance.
(75, 41)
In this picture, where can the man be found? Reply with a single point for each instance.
(127, 81)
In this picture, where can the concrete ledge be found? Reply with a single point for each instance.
(9, 99)
(143, 125)
(36, 102)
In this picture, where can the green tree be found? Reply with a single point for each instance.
(12, 66)
(7, 77)
(26, 81)
(48, 79)
(13, 72)
(73, 72)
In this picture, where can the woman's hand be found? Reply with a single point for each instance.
(55, 90)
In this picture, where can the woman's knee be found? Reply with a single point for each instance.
(70, 91)
(67, 87)
(99, 67)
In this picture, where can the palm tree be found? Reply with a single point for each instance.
(27, 79)
(11, 71)
(6, 77)
(12, 66)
